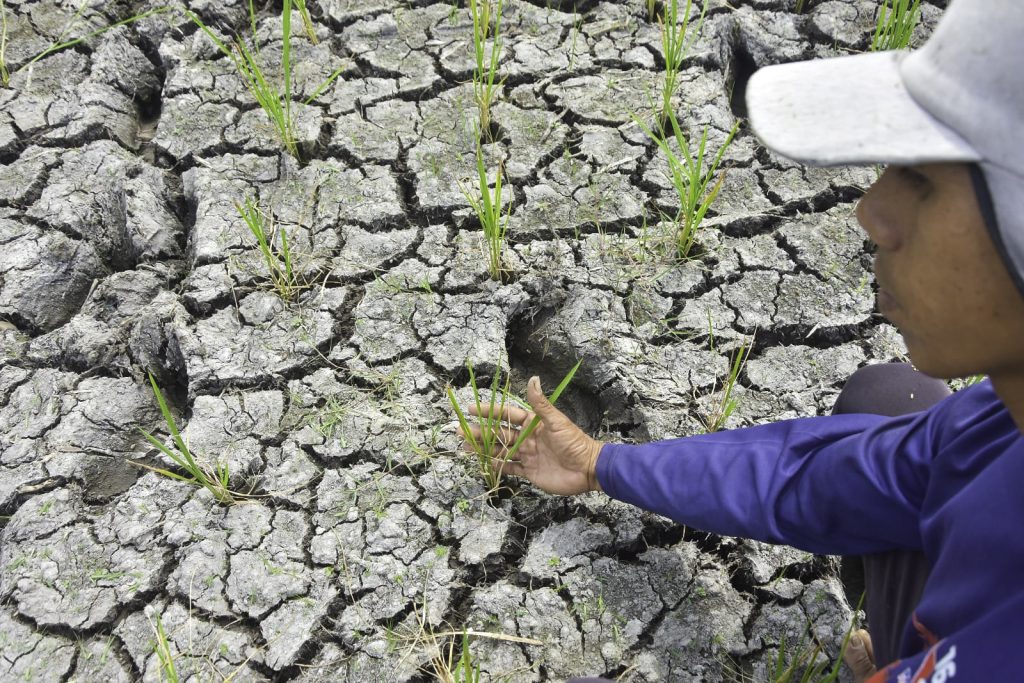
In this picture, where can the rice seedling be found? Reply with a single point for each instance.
(275, 102)
(485, 72)
(727, 404)
(799, 7)
(806, 658)
(494, 431)
(676, 41)
(487, 206)
(162, 649)
(696, 186)
(278, 259)
(61, 41)
(214, 480)
(896, 23)
(803, 663)
(451, 669)
(450, 657)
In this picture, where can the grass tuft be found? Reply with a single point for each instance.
(696, 185)
(273, 98)
(493, 429)
(441, 647)
(676, 41)
(487, 207)
(214, 480)
(278, 259)
(896, 22)
(485, 72)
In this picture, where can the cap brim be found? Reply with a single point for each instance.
(847, 110)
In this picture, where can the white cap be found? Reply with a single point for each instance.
(958, 98)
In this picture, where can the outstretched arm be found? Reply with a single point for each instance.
(838, 484)
(842, 484)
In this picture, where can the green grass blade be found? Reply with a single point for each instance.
(169, 419)
(209, 34)
(323, 86)
(286, 59)
(252, 25)
(162, 649)
(463, 422)
(178, 460)
(286, 256)
(306, 21)
(166, 473)
(92, 34)
(5, 76)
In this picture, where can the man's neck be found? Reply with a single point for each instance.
(1010, 389)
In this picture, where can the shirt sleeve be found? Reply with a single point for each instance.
(987, 650)
(841, 484)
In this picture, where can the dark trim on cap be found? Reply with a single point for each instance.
(988, 212)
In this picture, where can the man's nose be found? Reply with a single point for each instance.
(878, 213)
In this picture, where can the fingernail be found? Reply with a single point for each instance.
(856, 641)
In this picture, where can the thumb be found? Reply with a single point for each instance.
(538, 401)
(858, 656)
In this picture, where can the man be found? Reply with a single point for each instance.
(938, 490)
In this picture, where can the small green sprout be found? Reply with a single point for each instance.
(696, 186)
(676, 42)
(485, 72)
(488, 209)
(725, 407)
(278, 260)
(214, 480)
(896, 22)
(492, 426)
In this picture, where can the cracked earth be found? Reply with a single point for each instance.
(121, 160)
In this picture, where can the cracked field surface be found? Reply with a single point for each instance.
(368, 540)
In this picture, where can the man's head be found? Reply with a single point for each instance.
(940, 278)
(948, 215)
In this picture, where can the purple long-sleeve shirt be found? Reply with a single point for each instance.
(948, 481)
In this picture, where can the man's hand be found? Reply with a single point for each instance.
(557, 457)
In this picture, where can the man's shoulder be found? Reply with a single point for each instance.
(974, 418)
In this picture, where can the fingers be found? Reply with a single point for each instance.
(859, 656)
(504, 467)
(503, 437)
(510, 413)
